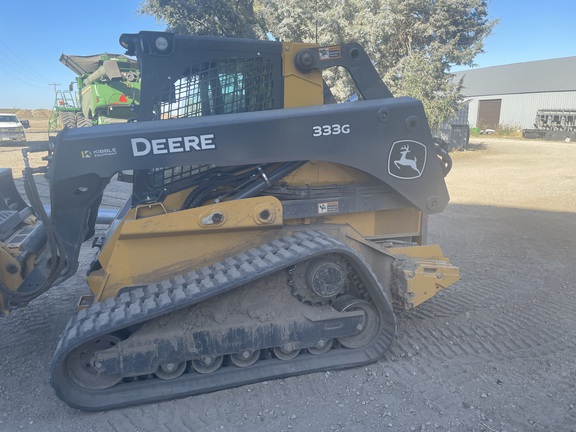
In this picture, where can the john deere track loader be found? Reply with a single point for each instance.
(268, 233)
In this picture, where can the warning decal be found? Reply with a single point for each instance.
(328, 207)
(329, 53)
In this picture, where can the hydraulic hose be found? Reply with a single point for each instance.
(442, 148)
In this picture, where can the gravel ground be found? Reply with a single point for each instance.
(495, 352)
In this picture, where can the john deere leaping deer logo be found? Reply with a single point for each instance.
(407, 159)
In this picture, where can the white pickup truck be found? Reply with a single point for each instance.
(11, 129)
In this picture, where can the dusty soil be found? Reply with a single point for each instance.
(495, 352)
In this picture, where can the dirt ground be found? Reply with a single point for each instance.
(495, 352)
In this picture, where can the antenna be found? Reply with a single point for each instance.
(316, 21)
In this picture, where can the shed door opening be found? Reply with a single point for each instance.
(489, 113)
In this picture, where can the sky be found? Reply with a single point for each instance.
(34, 33)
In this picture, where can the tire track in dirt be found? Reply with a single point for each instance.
(464, 297)
(496, 380)
(507, 336)
(483, 323)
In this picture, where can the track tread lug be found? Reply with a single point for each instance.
(219, 267)
(192, 277)
(102, 320)
(163, 300)
(165, 284)
(220, 278)
(205, 272)
(134, 310)
(149, 304)
(233, 273)
(192, 290)
(150, 290)
(247, 269)
(178, 295)
(138, 293)
(283, 253)
(87, 325)
(118, 315)
(259, 263)
(81, 315)
(271, 259)
(297, 249)
(179, 280)
(206, 284)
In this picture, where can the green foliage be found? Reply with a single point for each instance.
(502, 131)
(413, 43)
(234, 18)
(419, 77)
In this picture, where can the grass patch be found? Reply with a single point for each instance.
(502, 131)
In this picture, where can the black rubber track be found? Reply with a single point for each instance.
(147, 302)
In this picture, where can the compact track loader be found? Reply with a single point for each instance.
(268, 234)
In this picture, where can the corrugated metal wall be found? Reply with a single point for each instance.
(520, 110)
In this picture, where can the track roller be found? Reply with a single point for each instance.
(286, 352)
(322, 347)
(245, 358)
(168, 371)
(207, 364)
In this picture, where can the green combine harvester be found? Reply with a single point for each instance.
(108, 88)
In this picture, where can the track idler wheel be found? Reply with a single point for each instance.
(80, 368)
(369, 327)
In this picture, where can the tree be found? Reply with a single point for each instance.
(233, 18)
(413, 43)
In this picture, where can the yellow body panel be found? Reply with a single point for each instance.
(423, 271)
(147, 249)
(12, 279)
(403, 222)
(11, 272)
(384, 223)
(300, 89)
(324, 173)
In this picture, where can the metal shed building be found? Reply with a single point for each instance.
(510, 95)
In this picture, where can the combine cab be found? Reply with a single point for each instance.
(108, 87)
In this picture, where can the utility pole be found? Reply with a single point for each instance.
(53, 121)
(55, 85)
